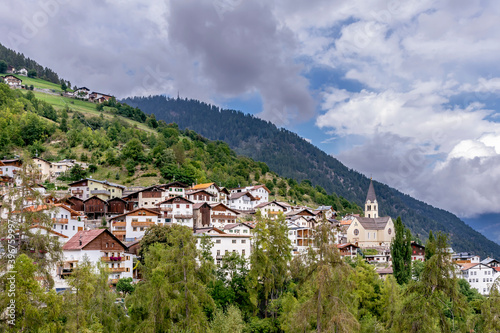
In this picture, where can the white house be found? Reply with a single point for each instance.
(23, 72)
(97, 245)
(82, 92)
(238, 229)
(479, 276)
(132, 225)
(222, 215)
(10, 168)
(177, 210)
(271, 209)
(241, 201)
(199, 196)
(260, 193)
(224, 243)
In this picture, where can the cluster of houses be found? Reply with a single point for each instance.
(15, 82)
(105, 222)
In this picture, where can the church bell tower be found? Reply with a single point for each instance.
(371, 205)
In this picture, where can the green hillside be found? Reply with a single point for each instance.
(133, 152)
(291, 156)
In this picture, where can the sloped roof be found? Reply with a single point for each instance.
(241, 194)
(135, 210)
(370, 223)
(468, 266)
(202, 186)
(200, 204)
(264, 204)
(225, 206)
(191, 192)
(85, 236)
(371, 193)
(177, 198)
(488, 261)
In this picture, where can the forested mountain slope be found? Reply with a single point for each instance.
(291, 156)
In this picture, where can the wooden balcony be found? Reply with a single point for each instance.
(114, 281)
(119, 224)
(273, 213)
(60, 220)
(76, 192)
(183, 216)
(108, 259)
(119, 232)
(118, 269)
(223, 217)
(166, 209)
(142, 224)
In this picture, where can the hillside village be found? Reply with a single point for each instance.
(105, 222)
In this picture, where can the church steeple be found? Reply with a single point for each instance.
(371, 205)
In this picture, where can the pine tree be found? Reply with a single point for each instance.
(269, 260)
(430, 246)
(401, 252)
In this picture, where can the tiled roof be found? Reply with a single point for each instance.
(202, 186)
(82, 238)
(240, 194)
(468, 266)
(370, 223)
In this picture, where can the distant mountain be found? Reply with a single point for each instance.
(291, 156)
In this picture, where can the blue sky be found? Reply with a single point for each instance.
(406, 92)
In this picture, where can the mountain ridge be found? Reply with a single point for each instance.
(280, 149)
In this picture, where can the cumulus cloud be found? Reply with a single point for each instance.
(203, 49)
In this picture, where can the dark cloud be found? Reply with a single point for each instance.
(244, 49)
(204, 49)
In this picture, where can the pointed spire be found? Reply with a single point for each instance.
(371, 192)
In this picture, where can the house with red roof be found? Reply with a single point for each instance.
(96, 246)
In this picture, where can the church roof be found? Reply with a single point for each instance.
(370, 223)
(371, 193)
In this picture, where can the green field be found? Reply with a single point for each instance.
(85, 107)
(38, 83)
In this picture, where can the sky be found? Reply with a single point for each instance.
(406, 92)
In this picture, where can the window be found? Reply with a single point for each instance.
(356, 232)
(218, 252)
(187, 206)
(389, 231)
(177, 206)
(142, 229)
(135, 228)
(73, 227)
(234, 241)
(243, 241)
(217, 241)
(243, 252)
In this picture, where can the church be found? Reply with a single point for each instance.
(371, 230)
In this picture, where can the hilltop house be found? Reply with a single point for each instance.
(82, 92)
(12, 81)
